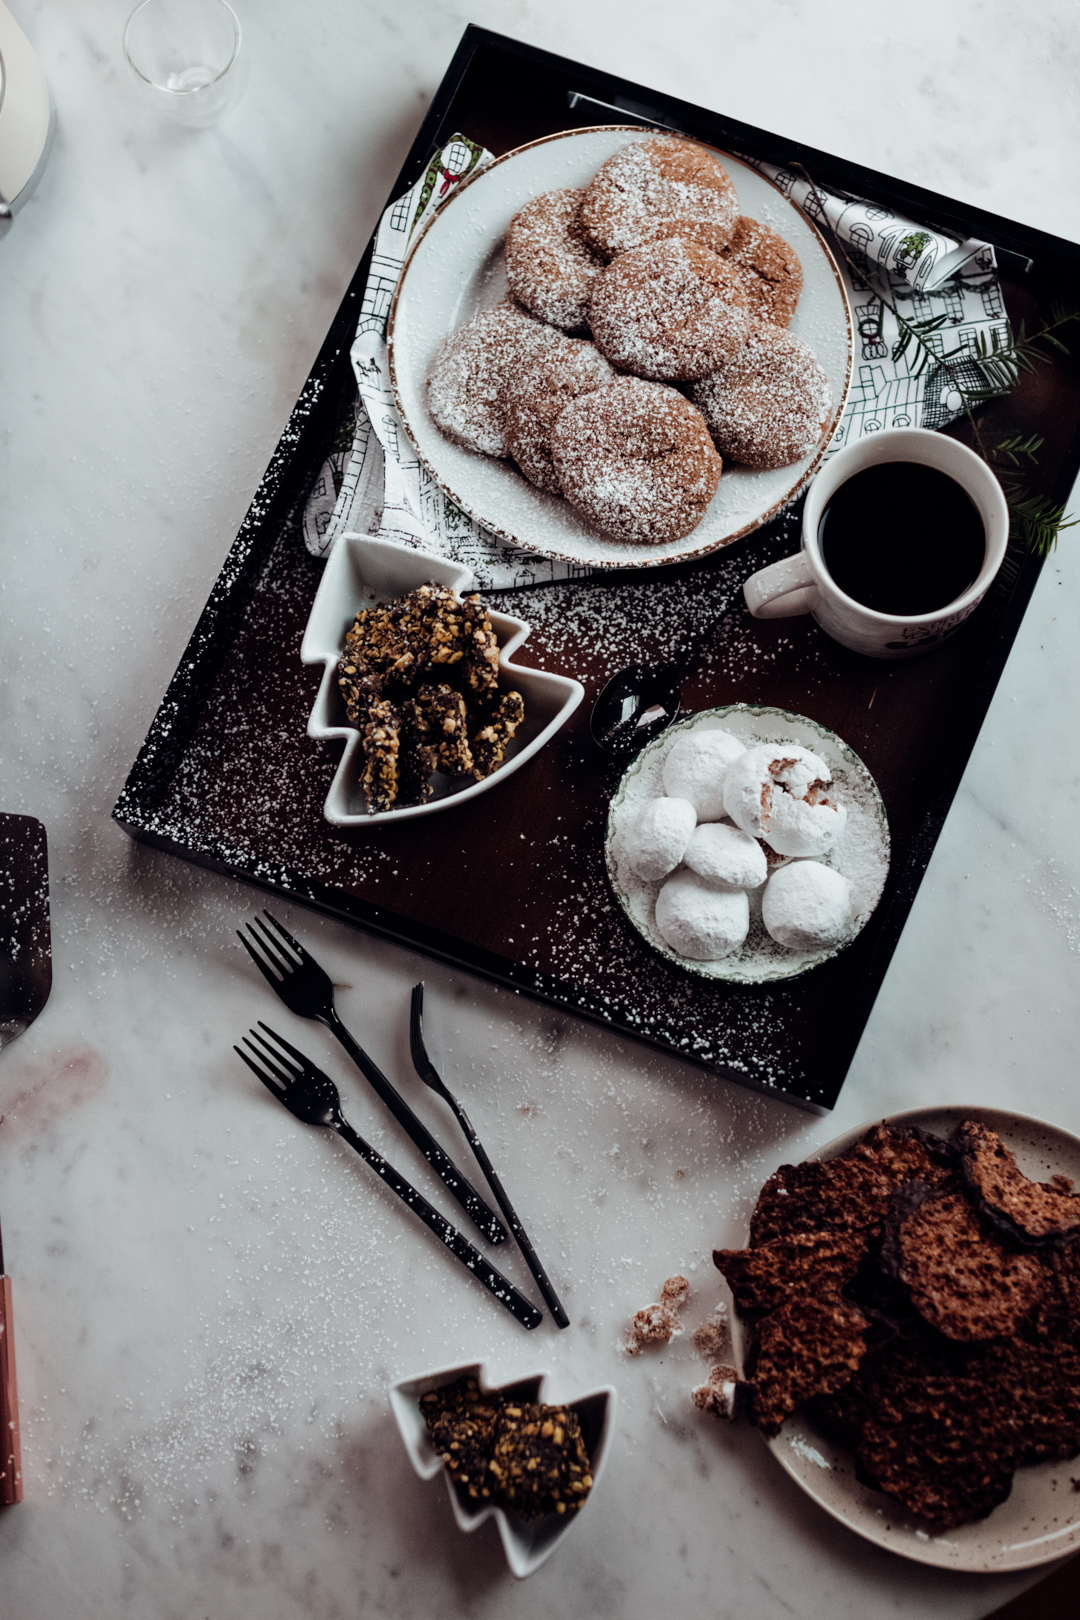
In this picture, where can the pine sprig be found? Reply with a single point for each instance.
(1035, 521)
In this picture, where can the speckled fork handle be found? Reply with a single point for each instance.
(459, 1245)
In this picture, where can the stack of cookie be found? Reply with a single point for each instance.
(645, 339)
(920, 1300)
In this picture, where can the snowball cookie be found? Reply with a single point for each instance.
(636, 458)
(725, 857)
(653, 189)
(468, 380)
(807, 906)
(769, 405)
(777, 792)
(655, 843)
(536, 393)
(670, 311)
(695, 769)
(769, 269)
(549, 264)
(700, 922)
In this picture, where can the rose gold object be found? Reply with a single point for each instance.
(10, 1450)
(25, 981)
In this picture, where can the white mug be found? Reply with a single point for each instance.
(802, 584)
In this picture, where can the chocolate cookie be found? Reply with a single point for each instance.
(810, 1346)
(762, 1279)
(653, 189)
(849, 1193)
(549, 264)
(468, 379)
(637, 460)
(537, 392)
(670, 311)
(769, 269)
(769, 405)
(962, 1281)
(1030, 1212)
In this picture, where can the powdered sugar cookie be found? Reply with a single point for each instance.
(658, 838)
(649, 190)
(636, 458)
(549, 264)
(466, 387)
(725, 857)
(696, 766)
(778, 792)
(768, 406)
(535, 394)
(670, 311)
(769, 269)
(699, 922)
(807, 906)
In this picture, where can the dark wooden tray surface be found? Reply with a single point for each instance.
(512, 886)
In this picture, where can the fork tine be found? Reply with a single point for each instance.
(268, 1056)
(257, 1072)
(270, 977)
(416, 1022)
(266, 942)
(299, 1056)
(287, 937)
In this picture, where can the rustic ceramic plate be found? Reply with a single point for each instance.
(1040, 1520)
(862, 855)
(455, 269)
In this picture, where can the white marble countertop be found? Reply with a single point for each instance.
(211, 1300)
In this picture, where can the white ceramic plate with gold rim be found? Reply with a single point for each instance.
(1040, 1520)
(455, 269)
(861, 855)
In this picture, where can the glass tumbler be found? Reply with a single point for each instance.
(185, 56)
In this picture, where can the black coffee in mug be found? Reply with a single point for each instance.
(902, 538)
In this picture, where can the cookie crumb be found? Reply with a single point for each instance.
(718, 1393)
(658, 1324)
(713, 1334)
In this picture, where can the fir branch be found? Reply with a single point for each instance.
(1034, 519)
(1015, 448)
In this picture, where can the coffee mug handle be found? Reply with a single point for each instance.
(780, 591)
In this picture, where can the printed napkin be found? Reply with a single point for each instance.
(373, 482)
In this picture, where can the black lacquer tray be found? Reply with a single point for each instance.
(512, 886)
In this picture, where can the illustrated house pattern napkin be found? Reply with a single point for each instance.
(373, 482)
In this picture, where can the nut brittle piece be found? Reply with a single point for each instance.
(539, 1462)
(447, 728)
(462, 1421)
(488, 743)
(435, 661)
(379, 776)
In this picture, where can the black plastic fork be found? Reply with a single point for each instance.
(430, 1076)
(311, 1096)
(307, 990)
